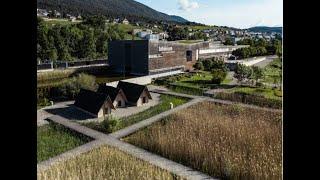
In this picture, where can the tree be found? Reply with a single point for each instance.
(207, 63)
(88, 44)
(228, 41)
(257, 74)
(177, 33)
(218, 64)
(198, 65)
(242, 72)
(95, 21)
(218, 75)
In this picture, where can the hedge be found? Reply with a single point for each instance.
(249, 99)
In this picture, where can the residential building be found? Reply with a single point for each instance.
(116, 95)
(125, 21)
(137, 95)
(96, 104)
(152, 37)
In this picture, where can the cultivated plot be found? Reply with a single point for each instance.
(225, 141)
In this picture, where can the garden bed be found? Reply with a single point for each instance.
(54, 139)
(224, 141)
(105, 163)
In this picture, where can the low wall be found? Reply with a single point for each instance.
(144, 80)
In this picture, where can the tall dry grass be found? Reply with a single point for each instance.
(229, 142)
(104, 163)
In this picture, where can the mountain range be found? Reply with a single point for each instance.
(266, 29)
(129, 9)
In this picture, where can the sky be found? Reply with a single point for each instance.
(231, 13)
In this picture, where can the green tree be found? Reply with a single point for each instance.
(207, 63)
(218, 75)
(257, 74)
(242, 72)
(198, 65)
(88, 44)
(95, 21)
(228, 41)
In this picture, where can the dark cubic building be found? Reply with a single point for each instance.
(143, 57)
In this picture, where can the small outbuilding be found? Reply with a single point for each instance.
(96, 104)
(116, 95)
(136, 94)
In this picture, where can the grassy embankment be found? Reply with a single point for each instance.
(229, 142)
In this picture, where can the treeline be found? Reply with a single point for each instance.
(86, 40)
(182, 33)
(258, 48)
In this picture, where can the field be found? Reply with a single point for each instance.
(53, 140)
(104, 163)
(228, 142)
(62, 22)
(117, 124)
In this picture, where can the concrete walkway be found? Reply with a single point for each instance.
(103, 139)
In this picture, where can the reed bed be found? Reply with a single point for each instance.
(224, 141)
(104, 163)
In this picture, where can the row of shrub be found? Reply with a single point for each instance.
(66, 90)
(250, 99)
(186, 89)
(164, 81)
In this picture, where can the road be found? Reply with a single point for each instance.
(264, 63)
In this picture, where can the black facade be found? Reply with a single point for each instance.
(129, 56)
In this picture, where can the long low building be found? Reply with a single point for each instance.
(143, 57)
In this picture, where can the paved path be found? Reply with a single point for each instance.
(102, 139)
(264, 63)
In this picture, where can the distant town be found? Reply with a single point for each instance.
(126, 97)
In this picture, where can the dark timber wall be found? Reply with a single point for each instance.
(128, 55)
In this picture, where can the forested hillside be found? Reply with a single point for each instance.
(130, 9)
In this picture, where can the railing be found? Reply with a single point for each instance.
(70, 64)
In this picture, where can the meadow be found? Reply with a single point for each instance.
(224, 141)
(54, 139)
(104, 163)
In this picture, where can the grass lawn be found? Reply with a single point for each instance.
(224, 141)
(272, 71)
(200, 80)
(59, 22)
(117, 124)
(190, 41)
(54, 139)
(104, 163)
(265, 92)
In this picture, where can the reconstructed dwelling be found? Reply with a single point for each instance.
(116, 95)
(136, 94)
(143, 57)
(96, 104)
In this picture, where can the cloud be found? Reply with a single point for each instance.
(187, 5)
